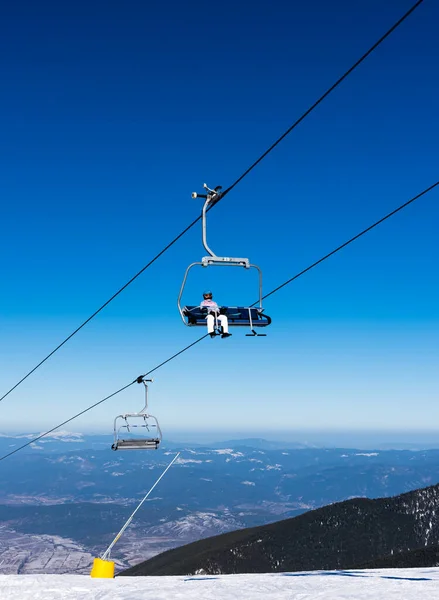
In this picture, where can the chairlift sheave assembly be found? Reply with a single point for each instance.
(128, 428)
(238, 316)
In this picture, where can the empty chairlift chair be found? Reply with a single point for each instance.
(137, 431)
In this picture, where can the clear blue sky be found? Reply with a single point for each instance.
(113, 113)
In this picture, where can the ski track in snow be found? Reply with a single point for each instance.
(385, 584)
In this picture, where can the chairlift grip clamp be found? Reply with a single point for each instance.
(141, 379)
(212, 196)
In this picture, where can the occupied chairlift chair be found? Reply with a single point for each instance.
(123, 424)
(238, 316)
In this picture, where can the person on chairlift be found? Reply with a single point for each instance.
(213, 316)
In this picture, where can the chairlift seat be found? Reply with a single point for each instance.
(140, 444)
(238, 316)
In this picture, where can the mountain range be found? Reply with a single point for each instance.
(73, 493)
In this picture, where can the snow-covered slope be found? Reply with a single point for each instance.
(388, 584)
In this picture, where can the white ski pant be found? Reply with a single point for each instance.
(223, 321)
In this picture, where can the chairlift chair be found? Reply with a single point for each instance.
(238, 316)
(127, 439)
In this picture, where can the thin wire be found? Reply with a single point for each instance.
(174, 356)
(67, 421)
(204, 336)
(318, 262)
(101, 308)
(99, 402)
(305, 114)
(325, 95)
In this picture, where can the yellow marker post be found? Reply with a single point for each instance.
(102, 568)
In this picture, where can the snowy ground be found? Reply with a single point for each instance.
(386, 584)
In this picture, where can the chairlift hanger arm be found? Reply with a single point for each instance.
(212, 197)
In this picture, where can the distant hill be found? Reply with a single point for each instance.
(338, 536)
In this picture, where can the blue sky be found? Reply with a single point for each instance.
(111, 115)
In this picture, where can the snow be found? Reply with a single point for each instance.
(388, 584)
(228, 451)
(60, 436)
(367, 454)
(68, 459)
(195, 526)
